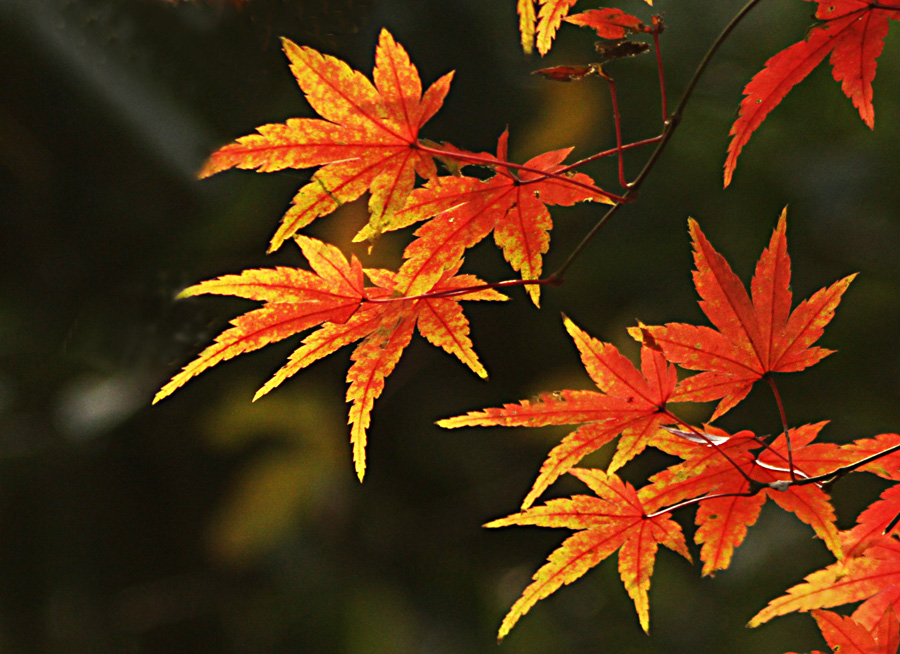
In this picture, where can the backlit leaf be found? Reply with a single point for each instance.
(366, 141)
(852, 31)
(631, 405)
(752, 337)
(614, 520)
(332, 297)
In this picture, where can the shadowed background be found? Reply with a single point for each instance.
(210, 523)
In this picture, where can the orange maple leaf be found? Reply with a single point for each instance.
(608, 23)
(887, 466)
(753, 337)
(332, 295)
(721, 467)
(870, 570)
(874, 577)
(852, 31)
(367, 140)
(631, 403)
(614, 520)
(847, 636)
(464, 210)
(873, 522)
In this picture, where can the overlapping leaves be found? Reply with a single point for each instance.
(729, 477)
(464, 210)
(367, 139)
(333, 297)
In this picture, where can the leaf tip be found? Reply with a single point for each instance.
(729, 171)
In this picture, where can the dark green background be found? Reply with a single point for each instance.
(210, 524)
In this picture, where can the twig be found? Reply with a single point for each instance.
(672, 123)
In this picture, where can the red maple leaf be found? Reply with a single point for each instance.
(873, 522)
(614, 520)
(365, 142)
(464, 210)
(608, 23)
(852, 31)
(332, 295)
(720, 469)
(870, 569)
(887, 466)
(847, 636)
(753, 337)
(873, 576)
(631, 403)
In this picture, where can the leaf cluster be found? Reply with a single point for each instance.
(367, 141)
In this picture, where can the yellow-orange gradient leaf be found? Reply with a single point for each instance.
(614, 520)
(333, 297)
(366, 141)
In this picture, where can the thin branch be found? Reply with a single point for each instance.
(672, 123)
(755, 487)
(495, 163)
(662, 78)
(466, 290)
(600, 155)
(617, 118)
(784, 425)
(829, 478)
(822, 480)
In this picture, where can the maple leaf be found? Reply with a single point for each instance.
(631, 403)
(332, 295)
(722, 471)
(874, 576)
(568, 73)
(753, 337)
(887, 466)
(873, 522)
(464, 210)
(870, 571)
(367, 140)
(852, 31)
(614, 520)
(847, 636)
(608, 23)
(295, 300)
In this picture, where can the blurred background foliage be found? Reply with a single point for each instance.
(211, 524)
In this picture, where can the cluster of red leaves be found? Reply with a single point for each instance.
(728, 476)
(870, 568)
(368, 140)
